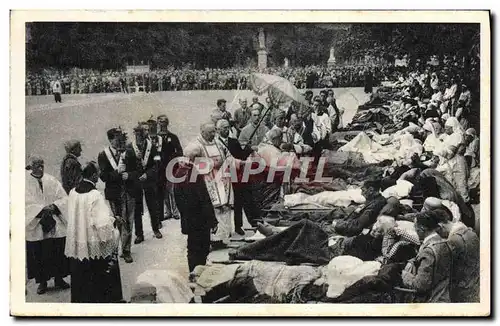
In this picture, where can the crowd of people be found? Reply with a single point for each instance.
(430, 150)
(92, 81)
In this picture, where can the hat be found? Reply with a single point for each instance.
(220, 101)
(431, 203)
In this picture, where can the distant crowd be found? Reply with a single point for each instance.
(84, 81)
(92, 81)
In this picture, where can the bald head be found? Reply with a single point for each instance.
(208, 131)
(223, 128)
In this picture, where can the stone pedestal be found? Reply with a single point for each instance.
(262, 58)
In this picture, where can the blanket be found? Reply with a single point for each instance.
(326, 199)
(303, 242)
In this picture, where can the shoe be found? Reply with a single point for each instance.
(128, 259)
(61, 284)
(158, 235)
(139, 239)
(240, 231)
(42, 288)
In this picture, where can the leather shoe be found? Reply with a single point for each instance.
(128, 259)
(42, 288)
(139, 239)
(61, 284)
(158, 235)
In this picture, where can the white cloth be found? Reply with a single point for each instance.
(224, 225)
(214, 275)
(275, 158)
(455, 211)
(36, 200)
(276, 279)
(341, 198)
(400, 190)
(344, 271)
(323, 123)
(372, 151)
(91, 234)
(167, 287)
(56, 88)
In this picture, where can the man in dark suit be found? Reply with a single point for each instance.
(71, 169)
(121, 198)
(197, 214)
(140, 153)
(169, 148)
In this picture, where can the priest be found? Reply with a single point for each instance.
(46, 219)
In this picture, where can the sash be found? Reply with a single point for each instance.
(218, 190)
(160, 143)
(111, 158)
(145, 159)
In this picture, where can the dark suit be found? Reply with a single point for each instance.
(243, 192)
(120, 194)
(197, 216)
(148, 187)
(171, 148)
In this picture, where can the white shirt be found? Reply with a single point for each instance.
(323, 123)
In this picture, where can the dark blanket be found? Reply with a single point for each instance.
(447, 191)
(281, 216)
(303, 242)
(355, 222)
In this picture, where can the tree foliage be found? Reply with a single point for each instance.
(113, 45)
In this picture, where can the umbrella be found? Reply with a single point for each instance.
(279, 89)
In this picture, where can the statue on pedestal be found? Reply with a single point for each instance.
(262, 52)
(331, 59)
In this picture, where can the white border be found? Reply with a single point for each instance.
(19, 307)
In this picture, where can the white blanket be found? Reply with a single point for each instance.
(344, 271)
(327, 199)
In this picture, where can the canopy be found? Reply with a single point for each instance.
(279, 89)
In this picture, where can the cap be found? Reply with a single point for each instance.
(220, 101)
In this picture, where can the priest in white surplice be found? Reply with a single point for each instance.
(46, 219)
(220, 191)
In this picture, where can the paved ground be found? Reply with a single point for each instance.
(87, 117)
